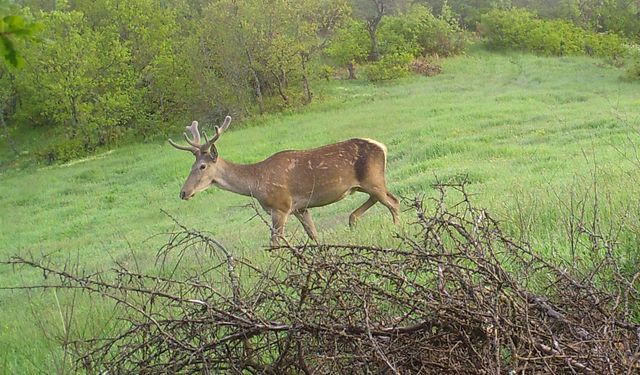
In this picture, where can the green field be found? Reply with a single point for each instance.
(526, 132)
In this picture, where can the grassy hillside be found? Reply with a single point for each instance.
(525, 130)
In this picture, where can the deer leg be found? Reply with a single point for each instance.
(307, 223)
(278, 219)
(390, 201)
(361, 210)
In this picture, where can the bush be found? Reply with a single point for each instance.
(389, 67)
(64, 151)
(506, 29)
(633, 63)
(439, 36)
(604, 45)
(456, 294)
(520, 29)
(419, 32)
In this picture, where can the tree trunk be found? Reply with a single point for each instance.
(256, 81)
(372, 27)
(282, 89)
(5, 129)
(374, 55)
(305, 81)
(74, 116)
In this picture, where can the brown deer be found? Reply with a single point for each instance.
(291, 182)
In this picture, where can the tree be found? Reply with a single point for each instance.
(150, 31)
(314, 22)
(6, 97)
(80, 79)
(372, 11)
(12, 27)
(267, 50)
(349, 46)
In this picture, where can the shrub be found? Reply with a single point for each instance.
(633, 63)
(419, 32)
(506, 29)
(64, 151)
(520, 29)
(397, 35)
(439, 36)
(390, 66)
(604, 45)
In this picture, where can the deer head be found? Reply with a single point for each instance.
(205, 169)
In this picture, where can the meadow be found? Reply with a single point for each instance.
(527, 132)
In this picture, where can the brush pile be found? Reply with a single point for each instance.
(457, 295)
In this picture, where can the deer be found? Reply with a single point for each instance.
(293, 181)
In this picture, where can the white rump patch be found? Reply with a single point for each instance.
(379, 144)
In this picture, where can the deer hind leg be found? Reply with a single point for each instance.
(307, 223)
(278, 220)
(355, 215)
(389, 200)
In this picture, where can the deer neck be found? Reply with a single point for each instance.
(237, 178)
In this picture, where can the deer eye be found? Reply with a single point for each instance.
(202, 166)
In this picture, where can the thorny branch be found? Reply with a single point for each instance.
(457, 296)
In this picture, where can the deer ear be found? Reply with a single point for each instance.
(213, 153)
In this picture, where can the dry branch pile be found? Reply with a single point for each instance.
(458, 296)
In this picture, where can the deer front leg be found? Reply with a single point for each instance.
(278, 219)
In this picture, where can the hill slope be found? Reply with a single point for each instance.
(525, 130)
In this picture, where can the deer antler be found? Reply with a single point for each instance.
(221, 129)
(195, 133)
(195, 145)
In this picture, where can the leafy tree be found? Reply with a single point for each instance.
(7, 97)
(468, 12)
(262, 51)
(14, 26)
(372, 12)
(79, 79)
(349, 46)
(150, 31)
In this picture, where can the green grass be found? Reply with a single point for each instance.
(525, 130)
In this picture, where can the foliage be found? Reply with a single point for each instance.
(614, 16)
(350, 44)
(111, 68)
(633, 63)
(115, 68)
(151, 34)
(64, 150)
(414, 33)
(11, 27)
(80, 80)
(467, 13)
(617, 16)
(372, 12)
(520, 29)
(420, 33)
(390, 66)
